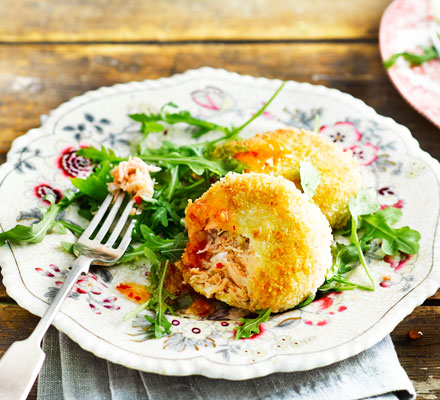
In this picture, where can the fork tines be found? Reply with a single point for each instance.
(109, 222)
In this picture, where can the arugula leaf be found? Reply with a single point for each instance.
(374, 226)
(95, 186)
(151, 256)
(173, 248)
(429, 53)
(160, 326)
(170, 249)
(74, 228)
(339, 283)
(345, 259)
(160, 215)
(170, 155)
(104, 154)
(235, 131)
(149, 122)
(202, 126)
(58, 228)
(316, 123)
(34, 233)
(364, 203)
(67, 246)
(309, 177)
(401, 239)
(305, 302)
(197, 164)
(37, 231)
(250, 326)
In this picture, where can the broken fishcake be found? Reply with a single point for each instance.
(255, 242)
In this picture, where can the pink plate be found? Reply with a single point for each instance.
(405, 27)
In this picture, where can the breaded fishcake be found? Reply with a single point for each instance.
(280, 152)
(256, 242)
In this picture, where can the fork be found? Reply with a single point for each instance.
(20, 365)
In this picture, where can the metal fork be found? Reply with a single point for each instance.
(20, 365)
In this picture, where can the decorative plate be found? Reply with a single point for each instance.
(336, 327)
(405, 27)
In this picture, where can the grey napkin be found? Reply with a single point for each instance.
(71, 373)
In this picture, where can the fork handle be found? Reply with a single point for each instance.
(80, 265)
(20, 365)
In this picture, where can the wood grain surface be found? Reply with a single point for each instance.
(36, 79)
(52, 50)
(183, 20)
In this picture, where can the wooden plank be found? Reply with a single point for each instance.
(3, 295)
(35, 79)
(436, 296)
(420, 358)
(15, 324)
(177, 20)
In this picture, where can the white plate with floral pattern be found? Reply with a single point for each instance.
(331, 329)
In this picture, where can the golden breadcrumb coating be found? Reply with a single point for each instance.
(280, 152)
(256, 242)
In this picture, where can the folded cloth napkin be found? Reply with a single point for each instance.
(71, 373)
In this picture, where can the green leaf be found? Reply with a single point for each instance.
(58, 228)
(34, 233)
(339, 283)
(235, 131)
(309, 176)
(99, 156)
(202, 126)
(149, 121)
(151, 256)
(157, 303)
(161, 216)
(92, 187)
(160, 325)
(364, 203)
(354, 239)
(152, 127)
(169, 249)
(95, 186)
(401, 239)
(67, 246)
(316, 123)
(306, 302)
(429, 53)
(250, 326)
(74, 228)
(197, 164)
(347, 257)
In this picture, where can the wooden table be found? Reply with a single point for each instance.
(51, 50)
